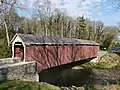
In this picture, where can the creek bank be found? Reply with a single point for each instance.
(79, 76)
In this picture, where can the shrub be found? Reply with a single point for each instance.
(5, 51)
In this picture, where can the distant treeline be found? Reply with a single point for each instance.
(49, 21)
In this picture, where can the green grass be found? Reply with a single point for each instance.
(20, 85)
(110, 60)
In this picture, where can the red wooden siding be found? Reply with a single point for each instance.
(50, 56)
(19, 52)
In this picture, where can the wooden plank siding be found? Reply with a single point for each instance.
(50, 56)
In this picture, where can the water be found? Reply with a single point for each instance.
(79, 76)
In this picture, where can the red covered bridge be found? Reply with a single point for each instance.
(49, 51)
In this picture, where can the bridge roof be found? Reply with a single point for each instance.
(30, 39)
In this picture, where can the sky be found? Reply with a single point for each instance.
(104, 10)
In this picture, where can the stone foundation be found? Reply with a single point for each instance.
(24, 71)
(9, 61)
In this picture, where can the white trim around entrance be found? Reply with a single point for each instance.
(18, 39)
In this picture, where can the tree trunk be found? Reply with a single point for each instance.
(7, 35)
(6, 30)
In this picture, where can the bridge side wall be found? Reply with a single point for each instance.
(51, 56)
(24, 71)
(9, 61)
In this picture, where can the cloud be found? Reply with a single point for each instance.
(76, 7)
(26, 7)
(30, 2)
(93, 9)
(71, 7)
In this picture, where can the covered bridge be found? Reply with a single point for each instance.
(49, 51)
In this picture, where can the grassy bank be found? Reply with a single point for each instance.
(110, 60)
(19, 85)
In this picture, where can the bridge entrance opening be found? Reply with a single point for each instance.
(19, 50)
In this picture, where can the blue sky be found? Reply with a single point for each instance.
(104, 10)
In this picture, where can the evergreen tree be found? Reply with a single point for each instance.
(81, 28)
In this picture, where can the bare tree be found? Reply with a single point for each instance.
(5, 7)
(43, 12)
(7, 14)
(3, 19)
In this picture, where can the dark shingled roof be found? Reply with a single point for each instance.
(29, 39)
